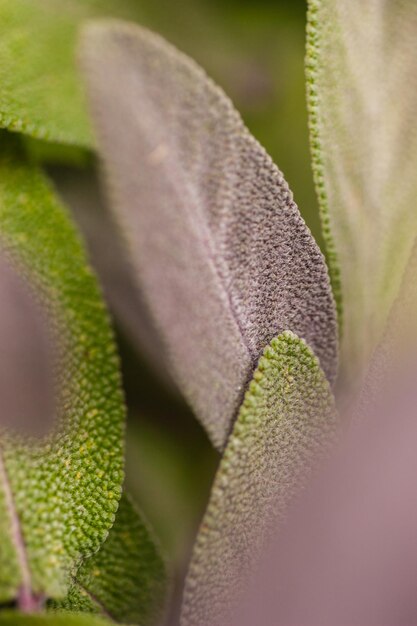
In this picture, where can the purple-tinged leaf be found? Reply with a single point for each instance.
(218, 247)
(26, 366)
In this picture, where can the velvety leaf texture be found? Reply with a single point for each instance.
(59, 495)
(362, 94)
(40, 91)
(217, 243)
(286, 422)
(126, 580)
(10, 618)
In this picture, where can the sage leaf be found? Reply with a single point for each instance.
(58, 493)
(362, 97)
(126, 580)
(217, 244)
(286, 422)
(40, 90)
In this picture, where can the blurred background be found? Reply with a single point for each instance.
(255, 51)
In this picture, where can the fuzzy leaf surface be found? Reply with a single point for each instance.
(40, 89)
(217, 243)
(287, 420)
(126, 579)
(59, 491)
(362, 95)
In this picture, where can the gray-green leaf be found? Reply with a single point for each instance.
(219, 249)
(287, 420)
(362, 95)
(58, 493)
(126, 580)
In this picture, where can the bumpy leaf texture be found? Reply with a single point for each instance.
(362, 95)
(126, 580)
(59, 491)
(40, 91)
(10, 618)
(348, 554)
(286, 423)
(218, 246)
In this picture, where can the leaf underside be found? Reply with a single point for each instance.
(218, 247)
(362, 95)
(58, 495)
(286, 422)
(126, 580)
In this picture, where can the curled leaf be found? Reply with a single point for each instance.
(362, 96)
(217, 244)
(59, 493)
(286, 421)
(126, 580)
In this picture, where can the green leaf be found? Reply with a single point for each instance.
(11, 618)
(217, 244)
(40, 91)
(58, 493)
(126, 580)
(286, 422)
(362, 99)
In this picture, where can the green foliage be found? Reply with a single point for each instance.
(40, 93)
(126, 579)
(286, 422)
(9, 618)
(362, 101)
(59, 494)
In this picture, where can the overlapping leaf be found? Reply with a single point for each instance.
(126, 580)
(361, 73)
(347, 554)
(40, 91)
(58, 495)
(216, 241)
(287, 420)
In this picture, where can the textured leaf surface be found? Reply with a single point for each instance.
(10, 618)
(287, 419)
(40, 92)
(58, 495)
(361, 71)
(347, 554)
(126, 579)
(216, 241)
